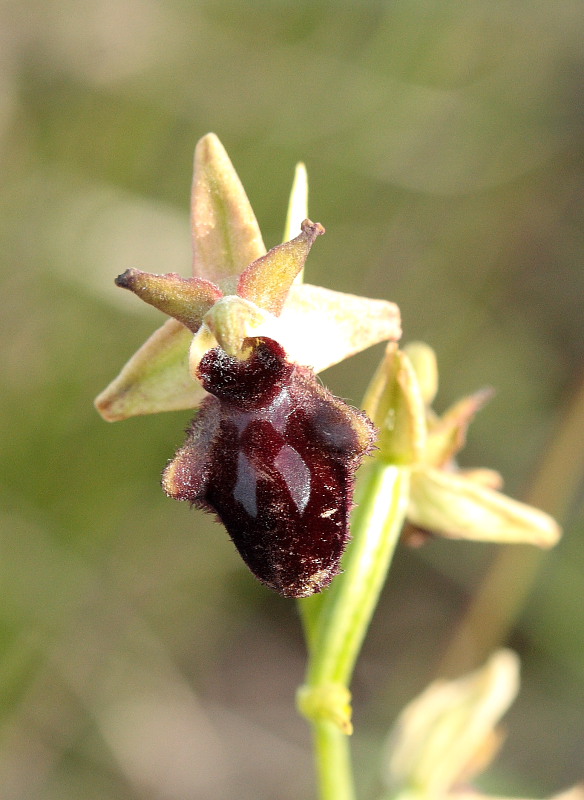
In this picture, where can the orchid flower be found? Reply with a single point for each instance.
(458, 504)
(449, 734)
(270, 451)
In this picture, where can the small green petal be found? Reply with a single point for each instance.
(226, 235)
(185, 299)
(155, 379)
(456, 507)
(267, 281)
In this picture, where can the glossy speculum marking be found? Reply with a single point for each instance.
(273, 453)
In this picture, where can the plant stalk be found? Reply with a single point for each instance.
(336, 622)
(333, 761)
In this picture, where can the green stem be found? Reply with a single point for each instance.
(336, 622)
(349, 605)
(333, 762)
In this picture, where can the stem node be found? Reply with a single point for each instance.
(330, 702)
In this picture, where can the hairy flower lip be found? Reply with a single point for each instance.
(273, 454)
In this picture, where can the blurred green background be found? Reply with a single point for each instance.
(139, 660)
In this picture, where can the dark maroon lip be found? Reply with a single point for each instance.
(274, 455)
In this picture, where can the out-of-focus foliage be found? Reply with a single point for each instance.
(444, 146)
